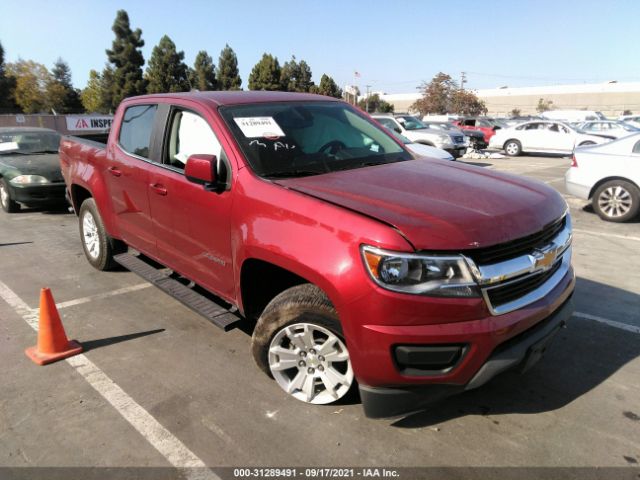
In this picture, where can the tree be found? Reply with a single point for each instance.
(61, 96)
(91, 96)
(544, 105)
(203, 76)
(265, 74)
(516, 112)
(227, 71)
(464, 102)
(374, 104)
(296, 77)
(436, 95)
(127, 60)
(328, 87)
(107, 82)
(31, 81)
(7, 88)
(167, 71)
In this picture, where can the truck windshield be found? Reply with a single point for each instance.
(292, 139)
(28, 143)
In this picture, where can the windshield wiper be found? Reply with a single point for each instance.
(293, 173)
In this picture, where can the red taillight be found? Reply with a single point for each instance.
(574, 162)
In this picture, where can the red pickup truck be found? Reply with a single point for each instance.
(355, 264)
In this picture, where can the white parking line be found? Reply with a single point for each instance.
(606, 321)
(610, 235)
(553, 180)
(98, 296)
(169, 446)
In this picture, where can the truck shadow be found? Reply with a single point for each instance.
(581, 357)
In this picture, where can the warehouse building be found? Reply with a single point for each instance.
(610, 98)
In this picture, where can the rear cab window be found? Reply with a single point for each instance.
(136, 128)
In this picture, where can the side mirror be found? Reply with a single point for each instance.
(201, 169)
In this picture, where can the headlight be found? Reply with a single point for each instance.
(433, 275)
(445, 138)
(28, 179)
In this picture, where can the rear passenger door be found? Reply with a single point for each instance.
(191, 224)
(128, 164)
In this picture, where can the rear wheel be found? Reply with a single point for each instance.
(99, 248)
(513, 148)
(8, 205)
(616, 201)
(298, 341)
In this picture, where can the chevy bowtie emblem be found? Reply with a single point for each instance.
(544, 260)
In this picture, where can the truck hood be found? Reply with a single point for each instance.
(46, 165)
(440, 205)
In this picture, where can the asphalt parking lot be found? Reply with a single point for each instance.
(181, 392)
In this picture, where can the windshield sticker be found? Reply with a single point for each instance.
(264, 127)
(6, 146)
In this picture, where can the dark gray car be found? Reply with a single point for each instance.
(30, 168)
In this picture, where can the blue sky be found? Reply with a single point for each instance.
(393, 44)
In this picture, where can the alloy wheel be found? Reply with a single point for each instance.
(615, 201)
(90, 235)
(310, 363)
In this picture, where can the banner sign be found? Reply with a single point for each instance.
(88, 123)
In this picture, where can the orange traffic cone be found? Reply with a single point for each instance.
(53, 344)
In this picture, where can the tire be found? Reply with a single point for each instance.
(513, 148)
(616, 201)
(8, 205)
(99, 248)
(298, 342)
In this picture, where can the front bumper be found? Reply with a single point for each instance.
(456, 150)
(520, 352)
(38, 194)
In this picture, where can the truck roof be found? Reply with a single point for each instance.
(238, 97)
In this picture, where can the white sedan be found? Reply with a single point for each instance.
(608, 128)
(420, 149)
(609, 176)
(541, 136)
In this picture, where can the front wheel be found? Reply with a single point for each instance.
(298, 341)
(513, 148)
(98, 247)
(616, 201)
(8, 205)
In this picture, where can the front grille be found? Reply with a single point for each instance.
(512, 291)
(515, 248)
(458, 139)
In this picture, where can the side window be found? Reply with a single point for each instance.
(636, 147)
(190, 134)
(532, 126)
(553, 127)
(136, 128)
(563, 129)
(387, 122)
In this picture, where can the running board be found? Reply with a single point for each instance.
(215, 313)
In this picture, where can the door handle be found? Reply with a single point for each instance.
(159, 188)
(114, 171)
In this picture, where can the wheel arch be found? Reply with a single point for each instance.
(609, 179)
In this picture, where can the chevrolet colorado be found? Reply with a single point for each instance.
(359, 266)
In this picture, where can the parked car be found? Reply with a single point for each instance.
(633, 120)
(357, 264)
(609, 176)
(418, 132)
(572, 115)
(542, 137)
(486, 125)
(30, 168)
(475, 138)
(607, 128)
(420, 149)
